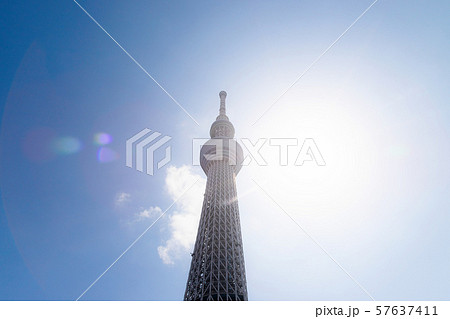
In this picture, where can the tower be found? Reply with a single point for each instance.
(217, 268)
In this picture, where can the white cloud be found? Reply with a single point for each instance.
(183, 222)
(147, 213)
(143, 214)
(122, 198)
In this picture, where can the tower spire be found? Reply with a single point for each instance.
(223, 96)
(222, 109)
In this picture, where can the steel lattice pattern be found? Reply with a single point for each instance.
(217, 269)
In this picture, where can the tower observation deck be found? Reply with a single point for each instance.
(217, 269)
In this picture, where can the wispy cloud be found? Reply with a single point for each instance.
(149, 213)
(121, 198)
(183, 222)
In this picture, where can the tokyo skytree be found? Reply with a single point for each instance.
(217, 268)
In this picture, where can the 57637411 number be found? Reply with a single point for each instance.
(406, 310)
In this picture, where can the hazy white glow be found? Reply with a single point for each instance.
(183, 222)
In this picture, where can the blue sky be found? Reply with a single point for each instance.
(376, 104)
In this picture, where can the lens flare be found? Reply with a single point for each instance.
(105, 155)
(37, 144)
(65, 145)
(102, 138)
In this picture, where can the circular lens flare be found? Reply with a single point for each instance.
(102, 139)
(36, 145)
(65, 145)
(105, 155)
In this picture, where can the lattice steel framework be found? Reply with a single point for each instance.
(217, 269)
